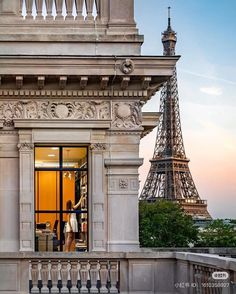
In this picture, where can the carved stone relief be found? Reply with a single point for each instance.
(91, 110)
(98, 146)
(127, 66)
(123, 184)
(25, 146)
(127, 115)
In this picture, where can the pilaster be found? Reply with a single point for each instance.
(26, 155)
(98, 198)
(123, 187)
(9, 189)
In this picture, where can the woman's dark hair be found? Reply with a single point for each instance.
(69, 205)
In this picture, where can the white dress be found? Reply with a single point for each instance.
(73, 223)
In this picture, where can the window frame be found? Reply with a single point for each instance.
(62, 169)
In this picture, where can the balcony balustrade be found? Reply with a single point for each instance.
(74, 276)
(117, 13)
(78, 10)
(146, 271)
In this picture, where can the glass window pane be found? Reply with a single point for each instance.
(74, 157)
(47, 196)
(75, 189)
(47, 157)
(47, 232)
(79, 240)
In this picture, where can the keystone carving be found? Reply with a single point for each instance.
(127, 115)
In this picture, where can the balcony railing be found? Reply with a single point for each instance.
(74, 276)
(133, 273)
(79, 10)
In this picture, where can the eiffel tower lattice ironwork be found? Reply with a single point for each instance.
(169, 176)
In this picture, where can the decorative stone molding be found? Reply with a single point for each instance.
(8, 123)
(8, 132)
(98, 146)
(126, 133)
(25, 146)
(127, 115)
(91, 110)
(123, 184)
(127, 66)
(68, 94)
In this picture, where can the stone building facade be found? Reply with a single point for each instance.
(67, 82)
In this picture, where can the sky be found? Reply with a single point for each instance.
(207, 91)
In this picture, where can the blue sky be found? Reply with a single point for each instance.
(207, 86)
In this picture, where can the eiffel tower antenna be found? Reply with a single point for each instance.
(169, 176)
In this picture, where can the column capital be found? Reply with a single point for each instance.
(98, 146)
(26, 146)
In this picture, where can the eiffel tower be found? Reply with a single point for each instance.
(169, 177)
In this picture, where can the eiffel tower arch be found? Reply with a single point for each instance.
(169, 176)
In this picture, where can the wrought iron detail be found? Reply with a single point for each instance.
(169, 176)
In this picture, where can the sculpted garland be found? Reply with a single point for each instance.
(54, 110)
(125, 115)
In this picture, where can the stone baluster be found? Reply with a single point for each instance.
(49, 8)
(89, 8)
(114, 276)
(28, 6)
(64, 277)
(83, 276)
(34, 268)
(79, 10)
(69, 9)
(74, 277)
(93, 276)
(97, 4)
(44, 271)
(103, 276)
(39, 9)
(54, 277)
(59, 9)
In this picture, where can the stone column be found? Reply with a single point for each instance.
(26, 154)
(98, 204)
(9, 192)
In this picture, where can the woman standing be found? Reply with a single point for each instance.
(71, 226)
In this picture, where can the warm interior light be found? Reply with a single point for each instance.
(51, 155)
(54, 148)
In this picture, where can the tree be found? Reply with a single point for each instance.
(164, 224)
(218, 234)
